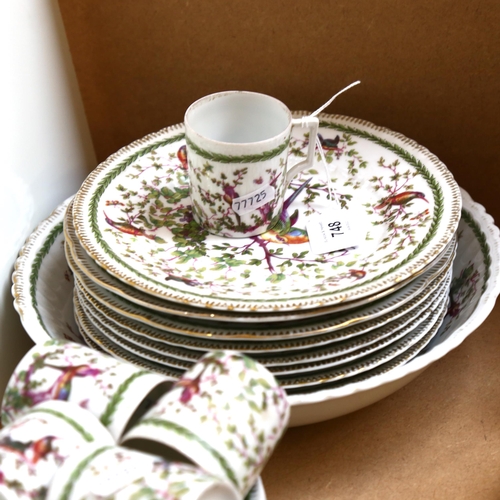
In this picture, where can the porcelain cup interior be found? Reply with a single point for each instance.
(238, 117)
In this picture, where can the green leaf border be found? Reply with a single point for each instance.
(221, 158)
(112, 406)
(190, 436)
(86, 435)
(35, 268)
(398, 150)
(483, 244)
(74, 476)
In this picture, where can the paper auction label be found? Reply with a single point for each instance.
(332, 231)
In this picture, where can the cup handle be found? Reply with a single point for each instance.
(312, 123)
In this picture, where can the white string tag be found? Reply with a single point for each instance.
(327, 103)
(331, 193)
(334, 230)
(318, 143)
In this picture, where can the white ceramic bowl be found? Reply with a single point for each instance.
(43, 289)
(479, 246)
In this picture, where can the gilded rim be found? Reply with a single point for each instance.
(90, 236)
(402, 367)
(371, 315)
(82, 264)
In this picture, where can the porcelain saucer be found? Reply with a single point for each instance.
(133, 217)
(140, 304)
(166, 364)
(355, 335)
(135, 317)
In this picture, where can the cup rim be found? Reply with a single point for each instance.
(233, 92)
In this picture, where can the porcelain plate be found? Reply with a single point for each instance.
(133, 216)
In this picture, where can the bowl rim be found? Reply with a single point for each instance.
(478, 316)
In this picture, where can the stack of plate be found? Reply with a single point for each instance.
(154, 288)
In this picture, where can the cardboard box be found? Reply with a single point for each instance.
(430, 70)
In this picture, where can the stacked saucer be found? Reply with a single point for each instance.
(153, 287)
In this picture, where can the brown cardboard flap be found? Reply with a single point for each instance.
(429, 69)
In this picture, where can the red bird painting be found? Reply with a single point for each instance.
(182, 156)
(401, 199)
(357, 273)
(191, 386)
(126, 227)
(62, 387)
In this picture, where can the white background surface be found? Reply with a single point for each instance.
(45, 143)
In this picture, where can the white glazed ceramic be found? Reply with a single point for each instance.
(400, 347)
(34, 446)
(96, 340)
(88, 271)
(133, 216)
(358, 348)
(277, 359)
(396, 353)
(226, 415)
(111, 390)
(479, 247)
(237, 157)
(357, 320)
(118, 473)
(41, 264)
(185, 346)
(479, 244)
(188, 347)
(116, 346)
(257, 492)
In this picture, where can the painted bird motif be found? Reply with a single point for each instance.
(283, 231)
(128, 228)
(182, 156)
(294, 237)
(401, 199)
(190, 387)
(329, 144)
(62, 387)
(357, 273)
(32, 451)
(182, 279)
